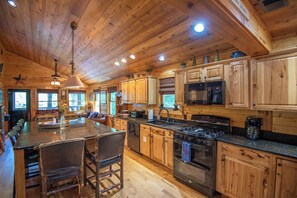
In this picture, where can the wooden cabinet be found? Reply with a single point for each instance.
(142, 91)
(286, 179)
(274, 84)
(124, 92)
(145, 140)
(194, 75)
(124, 127)
(179, 87)
(131, 91)
(157, 145)
(237, 84)
(243, 172)
(209, 73)
(117, 124)
(169, 149)
(215, 72)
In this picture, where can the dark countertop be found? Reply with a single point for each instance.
(32, 135)
(173, 127)
(262, 145)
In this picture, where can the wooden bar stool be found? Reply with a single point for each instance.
(109, 149)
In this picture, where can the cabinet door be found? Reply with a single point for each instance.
(117, 124)
(242, 179)
(194, 75)
(179, 87)
(286, 179)
(169, 152)
(141, 90)
(157, 152)
(124, 92)
(124, 128)
(215, 72)
(274, 84)
(145, 142)
(238, 84)
(131, 91)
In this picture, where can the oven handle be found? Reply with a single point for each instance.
(193, 164)
(193, 145)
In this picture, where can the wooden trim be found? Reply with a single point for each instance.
(19, 173)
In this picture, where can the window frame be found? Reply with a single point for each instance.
(47, 92)
(69, 100)
(113, 102)
(162, 98)
(14, 100)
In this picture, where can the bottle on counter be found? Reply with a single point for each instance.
(62, 127)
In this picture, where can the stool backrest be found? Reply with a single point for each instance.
(110, 145)
(13, 136)
(61, 154)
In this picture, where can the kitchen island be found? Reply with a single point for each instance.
(32, 136)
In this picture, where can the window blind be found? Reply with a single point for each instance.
(167, 86)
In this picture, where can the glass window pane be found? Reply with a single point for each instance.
(77, 101)
(20, 100)
(113, 96)
(168, 100)
(47, 101)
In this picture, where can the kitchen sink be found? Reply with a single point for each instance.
(161, 123)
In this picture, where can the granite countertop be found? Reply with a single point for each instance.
(173, 127)
(262, 145)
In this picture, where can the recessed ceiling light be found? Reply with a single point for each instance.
(123, 60)
(12, 3)
(117, 63)
(162, 58)
(132, 56)
(199, 27)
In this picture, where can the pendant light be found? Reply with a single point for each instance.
(56, 77)
(73, 81)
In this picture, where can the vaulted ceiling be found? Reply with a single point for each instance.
(107, 31)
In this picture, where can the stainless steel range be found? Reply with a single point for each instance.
(195, 152)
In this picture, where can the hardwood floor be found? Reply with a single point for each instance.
(142, 178)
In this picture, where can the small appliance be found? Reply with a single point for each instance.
(137, 114)
(252, 126)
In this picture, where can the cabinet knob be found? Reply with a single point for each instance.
(279, 164)
(230, 103)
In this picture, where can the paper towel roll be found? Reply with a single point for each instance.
(150, 114)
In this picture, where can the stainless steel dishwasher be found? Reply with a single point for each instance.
(134, 136)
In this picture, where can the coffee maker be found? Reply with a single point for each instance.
(252, 127)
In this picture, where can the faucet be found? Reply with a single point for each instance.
(159, 114)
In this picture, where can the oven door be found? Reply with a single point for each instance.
(200, 154)
(198, 177)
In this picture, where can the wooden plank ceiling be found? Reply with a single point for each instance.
(279, 23)
(107, 31)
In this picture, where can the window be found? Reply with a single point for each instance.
(19, 101)
(47, 100)
(168, 100)
(77, 101)
(167, 93)
(103, 97)
(97, 102)
(112, 103)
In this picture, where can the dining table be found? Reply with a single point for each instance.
(33, 135)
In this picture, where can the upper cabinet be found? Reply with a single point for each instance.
(274, 84)
(237, 84)
(140, 91)
(179, 87)
(210, 73)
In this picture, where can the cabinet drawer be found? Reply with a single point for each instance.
(169, 134)
(158, 131)
(124, 122)
(145, 127)
(245, 154)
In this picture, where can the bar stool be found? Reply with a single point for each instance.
(109, 149)
(61, 161)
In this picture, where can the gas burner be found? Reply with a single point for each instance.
(204, 132)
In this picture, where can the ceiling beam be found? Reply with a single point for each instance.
(224, 18)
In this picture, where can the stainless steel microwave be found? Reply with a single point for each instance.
(205, 93)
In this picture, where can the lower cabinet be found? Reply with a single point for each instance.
(157, 143)
(120, 124)
(243, 172)
(286, 179)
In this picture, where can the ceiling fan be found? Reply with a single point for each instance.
(19, 79)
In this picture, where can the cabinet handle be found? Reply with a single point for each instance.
(279, 164)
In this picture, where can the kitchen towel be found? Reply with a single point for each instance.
(186, 152)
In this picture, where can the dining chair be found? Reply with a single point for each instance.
(109, 149)
(60, 162)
